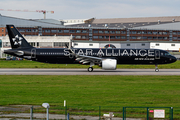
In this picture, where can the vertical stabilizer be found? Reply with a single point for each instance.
(16, 39)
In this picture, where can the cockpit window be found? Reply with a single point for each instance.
(167, 53)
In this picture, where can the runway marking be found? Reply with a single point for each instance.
(7, 71)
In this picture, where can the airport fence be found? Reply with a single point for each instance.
(90, 112)
(148, 113)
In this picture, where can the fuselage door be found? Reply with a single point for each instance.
(33, 53)
(157, 54)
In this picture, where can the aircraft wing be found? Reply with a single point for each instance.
(87, 59)
(84, 59)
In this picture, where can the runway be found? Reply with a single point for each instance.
(11, 71)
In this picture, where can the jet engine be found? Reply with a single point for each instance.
(109, 64)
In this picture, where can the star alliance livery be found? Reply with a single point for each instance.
(105, 58)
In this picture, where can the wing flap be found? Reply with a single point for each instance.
(84, 59)
(87, 59)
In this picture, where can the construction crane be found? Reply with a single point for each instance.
(40, 11)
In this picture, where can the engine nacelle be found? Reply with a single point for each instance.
(109, 64)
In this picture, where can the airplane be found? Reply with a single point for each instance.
(105, 58)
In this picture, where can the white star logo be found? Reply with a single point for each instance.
(17, 40)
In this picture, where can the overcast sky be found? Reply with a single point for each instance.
(83, 9)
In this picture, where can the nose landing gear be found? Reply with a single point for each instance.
(156, 69)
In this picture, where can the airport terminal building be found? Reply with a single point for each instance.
(149, 32)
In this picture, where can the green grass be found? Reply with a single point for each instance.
(91, 90)
(84, 94)
(33, 64)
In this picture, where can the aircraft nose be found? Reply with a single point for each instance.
(173, 59)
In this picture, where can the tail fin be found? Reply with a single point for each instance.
(16, 39)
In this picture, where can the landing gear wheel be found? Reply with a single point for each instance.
(156, 70)
(90, 69)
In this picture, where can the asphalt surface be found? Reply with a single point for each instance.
(26, 71)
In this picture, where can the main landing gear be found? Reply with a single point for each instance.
(90, 69)
(156, 69)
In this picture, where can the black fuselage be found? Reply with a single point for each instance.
(123, 56)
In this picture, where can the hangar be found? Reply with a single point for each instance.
(143, 32)
(168, 46)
